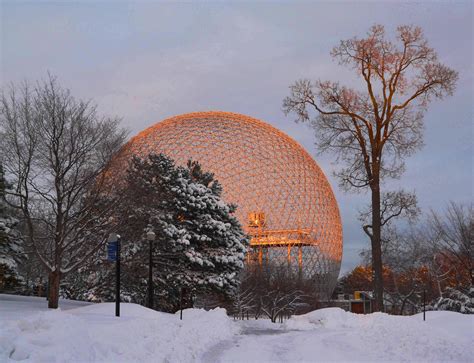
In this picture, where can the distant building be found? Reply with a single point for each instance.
(360, 302)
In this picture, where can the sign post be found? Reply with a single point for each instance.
(113, 254)
(150, 236)
(424, 304)
(182, 291)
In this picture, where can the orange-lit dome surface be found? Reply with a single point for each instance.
(284, 199)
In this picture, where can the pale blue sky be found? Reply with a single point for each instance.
(145, 61)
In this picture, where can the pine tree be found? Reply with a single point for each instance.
(11, 251)
(213, 243)
(199, 244)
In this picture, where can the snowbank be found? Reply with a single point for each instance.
(93, 333)
(444, 336)
(328, 318)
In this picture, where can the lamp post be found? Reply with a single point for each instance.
(113, 251)
(150, 236)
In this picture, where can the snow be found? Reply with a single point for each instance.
(14, 307)
(335, 335)
(92, 333)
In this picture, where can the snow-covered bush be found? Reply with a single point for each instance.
(456, 300)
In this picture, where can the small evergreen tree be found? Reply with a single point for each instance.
(199, 246)
(11, 250)
(202, 245)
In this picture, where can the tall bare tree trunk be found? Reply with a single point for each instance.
(53, 292)
(377, 245)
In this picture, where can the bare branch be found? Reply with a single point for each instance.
(54, 147)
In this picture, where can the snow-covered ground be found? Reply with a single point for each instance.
(91, 333)
(335, 335)
(13, 307)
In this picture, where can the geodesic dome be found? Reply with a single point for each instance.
(284, 200)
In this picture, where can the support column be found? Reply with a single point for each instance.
(300, 257)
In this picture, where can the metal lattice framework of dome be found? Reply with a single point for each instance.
(284, 200)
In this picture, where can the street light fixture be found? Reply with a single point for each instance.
(150, 236)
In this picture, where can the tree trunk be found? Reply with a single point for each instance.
(471, 272)
(403, 305)
(53, 289)
(376, 241)
(438, 285)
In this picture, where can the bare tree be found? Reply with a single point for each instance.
(277, 303)
(273, 290)
(393, 204)
(244, 299)
(404, 257)
(55, 149)
(373, 129)
(453, 236)
(434, 256)
(438, 268)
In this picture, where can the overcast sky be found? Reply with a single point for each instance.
(146, 61)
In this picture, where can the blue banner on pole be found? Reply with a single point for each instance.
(112, 249)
